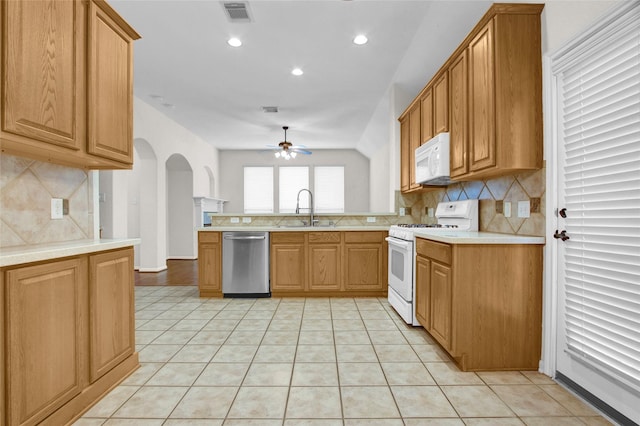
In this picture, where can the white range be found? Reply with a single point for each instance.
(458, 216)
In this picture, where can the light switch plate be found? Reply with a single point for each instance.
(371, 219)
(402, 212)
(506, 208)
(524, 209)
(56, 208)
(235, 220)
(246, 220)
(430, 212)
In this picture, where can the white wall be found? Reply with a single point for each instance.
(356, 174)
(162, 138)
(180, 209)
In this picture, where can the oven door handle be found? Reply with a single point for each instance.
(398, 243)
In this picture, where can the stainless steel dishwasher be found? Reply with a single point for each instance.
(245, 264)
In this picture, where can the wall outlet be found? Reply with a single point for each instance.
(506, 208)
(56, 208)
(535, 205)
(371, 219)
(524, 209)
(430, 211)
(246, 220)
(402, 211)
(235, 220)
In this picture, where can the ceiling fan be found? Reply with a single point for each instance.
(287, 150)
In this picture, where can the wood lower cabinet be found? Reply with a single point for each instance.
(67, 91)
(210, 264)
(69, 328)
(328, 263)
(111, 311)
(482, 303)
(288, 260)
(365, 258)
(46, 327)
(324, 265)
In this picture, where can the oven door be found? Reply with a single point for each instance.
(401, 267)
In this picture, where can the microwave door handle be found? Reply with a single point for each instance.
(395, 242)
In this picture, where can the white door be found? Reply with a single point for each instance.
(597, 117)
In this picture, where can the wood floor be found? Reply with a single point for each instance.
(178, 272)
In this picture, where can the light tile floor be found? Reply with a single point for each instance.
(314, 361)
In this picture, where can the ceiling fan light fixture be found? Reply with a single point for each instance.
(277, 154)
(293, 154)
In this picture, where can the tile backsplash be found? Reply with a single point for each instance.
(26, 190)
(520, 187)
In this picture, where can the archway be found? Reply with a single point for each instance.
(143, 209)
(180, 208)
(212, 182)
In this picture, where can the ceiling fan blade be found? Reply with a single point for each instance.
(300, 151)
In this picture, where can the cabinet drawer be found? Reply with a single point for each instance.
(324, 237)
(437, 251)
(363, 237)
(208, 237)
(286, 237)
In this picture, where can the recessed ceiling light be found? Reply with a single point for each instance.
(234, 42)
(360, 39)
(297, 71)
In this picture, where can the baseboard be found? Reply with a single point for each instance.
(182, 258)
(158, 269)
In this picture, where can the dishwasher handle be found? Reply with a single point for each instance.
(247, 237)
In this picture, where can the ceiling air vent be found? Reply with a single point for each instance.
(237, 11)
(269, 109)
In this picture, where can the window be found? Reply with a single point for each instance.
(291, 181)
(329, 189)
(258, 189)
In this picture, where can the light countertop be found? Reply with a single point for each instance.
(453, 237)
(10, 256)
(276, 228)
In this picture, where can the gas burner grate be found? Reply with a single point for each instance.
(426, 225)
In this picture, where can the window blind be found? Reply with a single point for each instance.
(329, 189)
(291, 181)
(599, 127)
(258, 189)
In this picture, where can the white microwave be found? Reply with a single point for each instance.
(432, 161)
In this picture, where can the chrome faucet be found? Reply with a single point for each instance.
(311, 220)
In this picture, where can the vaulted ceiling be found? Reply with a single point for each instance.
(185, 68)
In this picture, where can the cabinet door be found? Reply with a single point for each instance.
(324, 267)
(42, 71)
(441, 104)
(404, 154)
(111, 310)
(45, 317)
(414, 143)
(209, 264)
(288, 261)
(482, 137)
(110, 91)
(458, 103)
(363, 267)
(441, 304)
(426, 107)
(423, 290)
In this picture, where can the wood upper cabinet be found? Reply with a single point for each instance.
(66, 87)
(458, 127)
(426, 107)
(325, 253)
(43, 73)
(505, 95)
(365, 263)
(414, 142)
(110, 92)
(404, 154)
(288, 261)
(46, 315)
(440, 105)
(210, 263)
(111, 310)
